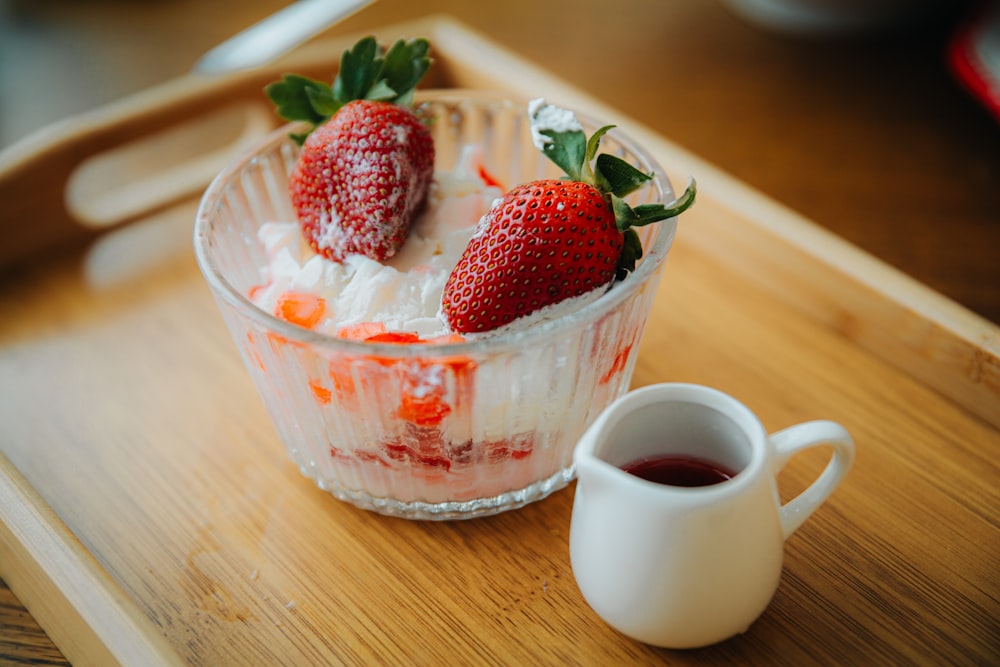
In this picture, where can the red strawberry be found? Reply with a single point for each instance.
(361, 180)
(551, 240)
(544, 242)
(367, 161)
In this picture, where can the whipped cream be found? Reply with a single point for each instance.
(548, 118)
(405, 292)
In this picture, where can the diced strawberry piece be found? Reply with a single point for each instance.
(617, 365)
(424, 389)
(361, 331)
(322, 394)
(300, 308)
(401, 337)
(423, 410)
(488, 178)
(343, 382)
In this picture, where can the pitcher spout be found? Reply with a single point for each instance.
(596, 477)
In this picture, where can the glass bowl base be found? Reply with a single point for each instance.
(452, 509)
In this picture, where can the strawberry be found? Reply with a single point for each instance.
(367, 160)
(551, 240)
(546, 241)
(303, 309)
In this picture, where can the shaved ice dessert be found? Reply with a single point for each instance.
(417, 347)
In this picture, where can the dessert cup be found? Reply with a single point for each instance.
(431, 430)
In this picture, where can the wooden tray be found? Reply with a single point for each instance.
(150, 516)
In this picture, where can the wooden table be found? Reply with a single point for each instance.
(908, 170)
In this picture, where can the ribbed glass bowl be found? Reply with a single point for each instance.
(516, 403)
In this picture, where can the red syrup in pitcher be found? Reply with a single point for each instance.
(679, 470)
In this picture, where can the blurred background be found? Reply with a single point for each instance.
(845, 111)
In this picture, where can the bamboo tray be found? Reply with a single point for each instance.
(150, 516)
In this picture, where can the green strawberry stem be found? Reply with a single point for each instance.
(366, 73)
(627, 217)
(612, 176)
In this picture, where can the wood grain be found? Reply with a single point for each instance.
(243, 558)
(21, 639)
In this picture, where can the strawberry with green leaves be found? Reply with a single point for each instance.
(551, 240)
(367, 160)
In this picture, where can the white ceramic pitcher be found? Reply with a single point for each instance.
(687, 567)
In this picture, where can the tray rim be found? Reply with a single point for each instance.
(71, 596)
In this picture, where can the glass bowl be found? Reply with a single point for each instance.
(512, 406)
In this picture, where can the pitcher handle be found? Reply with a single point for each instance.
(794, 439)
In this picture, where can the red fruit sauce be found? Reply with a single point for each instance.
(678, 470)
